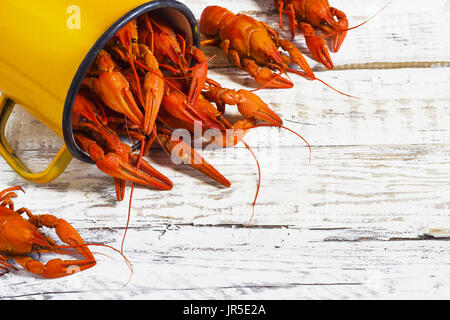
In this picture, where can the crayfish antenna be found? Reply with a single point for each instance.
(297, 134)
(329, 86)
(127, 261)
(259, 181)
(257, 162)
(141, 153)
(370, 18)
(285, 128)
(331, 34)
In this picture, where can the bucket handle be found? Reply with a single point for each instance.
(56, 167)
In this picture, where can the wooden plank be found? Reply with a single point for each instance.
(397, 187)
(191, 262)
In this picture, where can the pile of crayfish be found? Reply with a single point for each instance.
(147, 82)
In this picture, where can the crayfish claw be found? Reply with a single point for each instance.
(265, 77)
(147, 168)
(297, 57)
(341, 29)
(119, 165)
(120, 189)
(184, 153)
(113, 165)
(316, 45)
(252, 106)
(249, 104)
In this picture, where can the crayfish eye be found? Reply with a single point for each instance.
(325, 24)
(133, 40)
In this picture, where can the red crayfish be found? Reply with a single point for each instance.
(20, 237)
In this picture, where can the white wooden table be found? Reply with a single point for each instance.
(367, 218)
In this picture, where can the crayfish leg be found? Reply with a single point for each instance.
(6, 196)
(4, 193)
(5, 265)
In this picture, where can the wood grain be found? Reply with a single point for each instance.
(366, 218)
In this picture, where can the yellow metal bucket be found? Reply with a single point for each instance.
(47, 47)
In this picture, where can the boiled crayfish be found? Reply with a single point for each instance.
(20, 237)
(311, 16)
(252, 46)
(127, 94)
